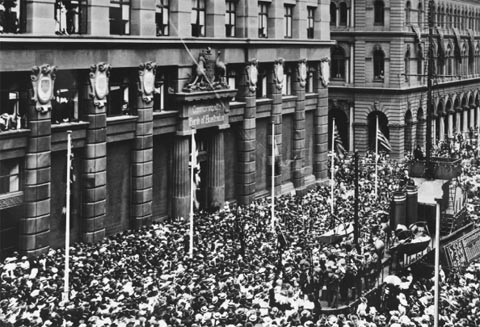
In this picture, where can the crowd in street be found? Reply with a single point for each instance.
(242, 272)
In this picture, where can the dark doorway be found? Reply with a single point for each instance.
(382, 124)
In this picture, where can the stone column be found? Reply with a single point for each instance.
(180, 12)
(450, 125)
(95, 157)
(40, 16)
(34, 227)
(180, 178)
(248, 135)
(434, 132)
(299, 127)
(465, 121)
(472, 116)
(276, 14)
(320, 127)
(142, 156)
(143, 18)
(98, 16)
(351, 135)
(442, 128)
(247, 19)
(458, 122)
(216, 170)
(322, 21)
(215, 20)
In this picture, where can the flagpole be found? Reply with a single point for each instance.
(333, 165)
(192, 191)
(376, 155)
(437, 264)
(273, 176)
(66, 284)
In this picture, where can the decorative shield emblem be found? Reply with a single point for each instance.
(44, 89)
(279, 74)
(325, 71)
(253, 74)
(101, 86)
(302, 72)
(149, 82)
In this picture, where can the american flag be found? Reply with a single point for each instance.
(383, 141)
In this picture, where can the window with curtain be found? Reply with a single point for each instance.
(198, 18)
(378, 12)
(378, 65)
(263, 20)
(310, 22)
(120, 17)
(162, 16)
(287, 21)
(230, 18)
(338, 63)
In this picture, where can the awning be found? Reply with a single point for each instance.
(458, 40)
(441, 46)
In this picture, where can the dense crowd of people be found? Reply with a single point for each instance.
(242, 273)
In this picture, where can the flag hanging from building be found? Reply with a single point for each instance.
(383, 141)
(339, 148)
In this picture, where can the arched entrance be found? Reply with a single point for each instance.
(382, 124)
(341, 121)
(408, 132)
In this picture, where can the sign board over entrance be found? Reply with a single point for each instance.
(202, 116)
(463, 250)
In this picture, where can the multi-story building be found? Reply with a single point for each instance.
(379, 69)
(132, 81)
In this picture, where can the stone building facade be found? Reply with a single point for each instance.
(379, 68)
(133, 80)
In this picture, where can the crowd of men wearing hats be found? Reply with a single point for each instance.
(242, 273)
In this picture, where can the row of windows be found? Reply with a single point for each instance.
(339, 15)
(66, 105)
(339, 64)
(453, 16)
(71, 18)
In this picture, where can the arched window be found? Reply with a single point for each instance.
(378, 12)
(449, 58)
(378, 64)
(343, 14)
(408, 9)
(333, 14)
(408, 137)
(338, 63)
(420, 15)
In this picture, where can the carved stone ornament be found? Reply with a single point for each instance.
(146, 75)
(99, 83)
(278, 73)
(252, 75)
(325, 71)
(43, 79)
(302, 72)
(208, 74)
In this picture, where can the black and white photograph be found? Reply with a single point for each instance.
(240, 163)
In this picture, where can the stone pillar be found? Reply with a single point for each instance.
(276, 14)
(434, 132)
(180, 12)
(142, 155)
(215, 20)
(98, 15)
(299, 127)
(95, 158)
(450, 125)
(465, 121)
(322, 20)
(458, 122)
(276, 115)
(247, 19)
(34, 227)
(180, 177)
(472, 116)
(320, 127)
(143, 18)
(216, 170)
(442, 128)
(40, 16)
(351, 147)
(299, 23)
(248, 135)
